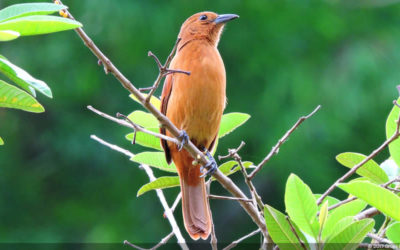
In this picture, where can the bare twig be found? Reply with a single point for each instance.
(160, 194)
(275, 149)
(162, 242)
(211, 196)
(225, 181)
(176, 202)
(232, 152)
(379, 239)
(295, 233)
(132, 125)
(359, 165)
(370, 212)
(340, 203)
(234, 243)
(214, 240)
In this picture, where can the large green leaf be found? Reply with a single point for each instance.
(27, 9)
(340, 225)
(1, 141)
(301, 205)
(376, 196)
(394, 147)
(154, 159)
(370, 169)
(13, 97)
(350, 236)
(335, 215)
(146, 140)
(159, 183)
(153, 100)
(8, 35)
(37, 25)
(279, 229)
(393, 232)
(23, 78)
(230, 122)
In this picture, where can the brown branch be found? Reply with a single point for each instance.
(379, 239)
(160, 194)
(234, 243)
(218, 197)
(370, 212)
(232, 152)
(225, 181)
(359, 165)
(275, 149)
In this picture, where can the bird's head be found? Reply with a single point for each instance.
(204, 25)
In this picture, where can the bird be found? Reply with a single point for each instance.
(194, 104)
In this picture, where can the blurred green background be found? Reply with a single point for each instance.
(282, 59)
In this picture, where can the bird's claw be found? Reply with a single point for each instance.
(184, 138)
(211, 167)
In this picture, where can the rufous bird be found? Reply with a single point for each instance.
(194, 103)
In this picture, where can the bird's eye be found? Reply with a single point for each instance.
(203, 17)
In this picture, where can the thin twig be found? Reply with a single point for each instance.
(132, 125)
(379, 239)
(359, 165)
(234, 243)
(218, 197)
(275, 149)
(162, 242)
(340, 203)
(176, 202)
(232, 152)
(295, 233)
(160, 194)
(370, 212)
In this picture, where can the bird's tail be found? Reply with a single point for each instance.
(195, 207)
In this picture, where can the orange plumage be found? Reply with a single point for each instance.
(195, 104)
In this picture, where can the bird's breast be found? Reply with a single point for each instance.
(197, 101)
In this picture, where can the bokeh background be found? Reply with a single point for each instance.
(282, 59)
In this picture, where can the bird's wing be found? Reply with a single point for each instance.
(166, 93)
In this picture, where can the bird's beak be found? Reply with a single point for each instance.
(225, 18)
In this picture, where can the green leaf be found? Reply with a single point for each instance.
(154, 159)
(13, 97)
(301, 205)
(393, 233)
(335, 215)
(1, 141)
(279, 229)
(370, 169)
(376, 196)
(230, 167)
(159, 183)
(143, 119)
(394, 147)
(350, 236)
(153, 100)
(27, 9)
(340, 225)
(23, 78)
(146, 140)
(230, 122)
(37, 25)
(8, 35)
(390, 168)
(323, 214)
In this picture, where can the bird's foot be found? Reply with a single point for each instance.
(211, 167)
(184, 138)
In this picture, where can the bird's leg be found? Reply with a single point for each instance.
(211, 166)
(184, 138)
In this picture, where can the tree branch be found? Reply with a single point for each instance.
(234, 244)
(225, 181)
(218, 197)
(275, 149)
